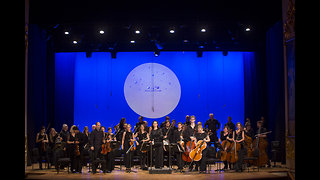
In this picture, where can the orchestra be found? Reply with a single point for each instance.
(188, 144)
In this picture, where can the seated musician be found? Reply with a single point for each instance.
(202, 135)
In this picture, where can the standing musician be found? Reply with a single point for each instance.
(110, 156)
(138, 124)
(167, 136)
(238, 137)
(187, 123)
(73, 142)
(212, 125)
(95, 141)
(260, 144)
(177, 136)
(201, 135)
(142, 138)
(156, 137)
(230, 124)
(128, 139)
(42, 141)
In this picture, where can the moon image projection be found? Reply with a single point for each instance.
(152, 90)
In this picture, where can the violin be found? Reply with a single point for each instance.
(132, 144)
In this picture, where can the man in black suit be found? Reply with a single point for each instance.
(96, 138)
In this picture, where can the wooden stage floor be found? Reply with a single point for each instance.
(264, 173)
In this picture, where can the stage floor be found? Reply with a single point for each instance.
(264, 173)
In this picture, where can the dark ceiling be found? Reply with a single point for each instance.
(224, 20)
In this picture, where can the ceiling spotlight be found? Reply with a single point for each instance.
(75, 42)
(185, 41)
(199, 54)
(66, 32)
(157, 53)
(101, 32)
(248, 29)
(171, 31)
(132, 42)
(137, 32)
(203, 30)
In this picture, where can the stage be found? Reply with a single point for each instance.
(264, 173)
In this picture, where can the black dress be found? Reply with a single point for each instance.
(241, 153)
(126, 145)
(142, 155)
(157, 136)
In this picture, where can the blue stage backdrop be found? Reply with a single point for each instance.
(211, 84)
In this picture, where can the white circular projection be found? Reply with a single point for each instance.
(152, 90)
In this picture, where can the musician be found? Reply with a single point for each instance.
(73, 142)
(110, 156)
(248, 130)
(138, 124)
(167, 136)
(142, 138)
(64, 133)
(238, 137)
(120, 128)
(85, 147)
(42, 140)
(128, 137)
(202, 135)
(163, 124)
(212, 125)
(225, 135)
(189, 133)
(261, 134)
(156, 136)
(95, 142)
(187, 123)
(177, 135)
(230, 124)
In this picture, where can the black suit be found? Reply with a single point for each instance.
(96, 138)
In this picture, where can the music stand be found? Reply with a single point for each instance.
(115, 145)
(174, 147)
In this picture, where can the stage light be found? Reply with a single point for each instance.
(248, 29)
(203, 30)
(88, 54)
(185, 41)
(132, 42)
(171, 31)
(101, 32)
(66, 32)
(137, 32)
(75, 42)
(201, 47)
(157, 53)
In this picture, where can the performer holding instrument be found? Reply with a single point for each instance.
(238, 150)
(226, 142)
(156, 138)
(199, 153)
(128, 145)
(143, 139)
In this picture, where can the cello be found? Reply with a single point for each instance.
(189, 147)
(196, 153)
(226, 146)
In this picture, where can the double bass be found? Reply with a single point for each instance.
(260, 146)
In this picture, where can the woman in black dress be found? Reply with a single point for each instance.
(156, 137)
(202, 135)
(238, 136)
(142, 138)
(128, 137)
